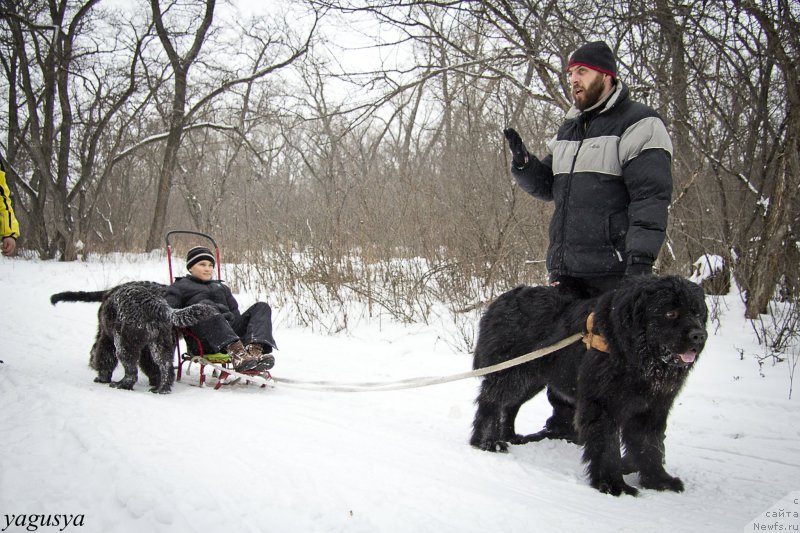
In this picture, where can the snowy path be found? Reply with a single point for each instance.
(297, 460)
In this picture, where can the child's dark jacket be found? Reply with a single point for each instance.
(191, 290)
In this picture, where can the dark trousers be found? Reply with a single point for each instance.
(585, 287)
(254, 326)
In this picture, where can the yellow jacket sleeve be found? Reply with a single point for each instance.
(9, 227)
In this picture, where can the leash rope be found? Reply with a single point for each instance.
(412, 382)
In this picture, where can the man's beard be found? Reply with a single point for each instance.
(591, 95)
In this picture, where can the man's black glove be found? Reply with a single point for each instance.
(519, 154)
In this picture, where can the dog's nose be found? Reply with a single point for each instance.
(698, 336)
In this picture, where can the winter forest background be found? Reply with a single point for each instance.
(354, 149)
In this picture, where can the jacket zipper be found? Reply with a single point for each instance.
(583, 131)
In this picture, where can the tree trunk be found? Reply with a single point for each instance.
(169, 163)
(180, 67)
(782, 189)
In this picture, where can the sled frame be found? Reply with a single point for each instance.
(221, 371)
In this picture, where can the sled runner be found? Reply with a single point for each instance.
(225, 373)
(220, 362)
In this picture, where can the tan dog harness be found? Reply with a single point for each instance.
(592, 339)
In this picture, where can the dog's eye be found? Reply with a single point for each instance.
(671, 315)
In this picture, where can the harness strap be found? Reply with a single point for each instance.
(592, 339)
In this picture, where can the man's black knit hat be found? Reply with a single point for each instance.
(595, 55)
(197, 254)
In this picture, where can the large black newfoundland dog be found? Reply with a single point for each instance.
(652, 330)
(135, 327)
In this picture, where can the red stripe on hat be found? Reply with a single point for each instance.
(587, 65)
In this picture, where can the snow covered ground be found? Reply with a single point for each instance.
(285, 459)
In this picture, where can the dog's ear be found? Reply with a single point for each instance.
(602, 311)
(613, 314)
(628, 311)
(625, 306)
(639, 308)
(697, 296)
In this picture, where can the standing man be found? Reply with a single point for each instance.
(608, 171)
(9, 227)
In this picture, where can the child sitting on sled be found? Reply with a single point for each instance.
(246, 338)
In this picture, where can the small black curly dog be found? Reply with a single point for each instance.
(136, 328)
(653, 329)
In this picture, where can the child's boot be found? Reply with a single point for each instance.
(239, 356)
(264, 361)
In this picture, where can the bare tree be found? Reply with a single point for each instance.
(64, 93)
(179, 117)
(743, 131)
(723, 75)
(412, 163)
(781, 30)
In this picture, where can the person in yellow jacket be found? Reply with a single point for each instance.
(9, 227)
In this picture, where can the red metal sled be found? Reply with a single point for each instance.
(194, 348)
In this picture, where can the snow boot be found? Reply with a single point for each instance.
(241, 360)
(264, 361)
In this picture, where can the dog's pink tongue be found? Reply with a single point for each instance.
(689, 356)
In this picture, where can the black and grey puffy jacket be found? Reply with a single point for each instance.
(608, 170)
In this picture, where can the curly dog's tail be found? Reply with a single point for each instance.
(79, 296)
(189, 316)
(138, 301)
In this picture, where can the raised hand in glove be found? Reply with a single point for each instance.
(519, 154)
